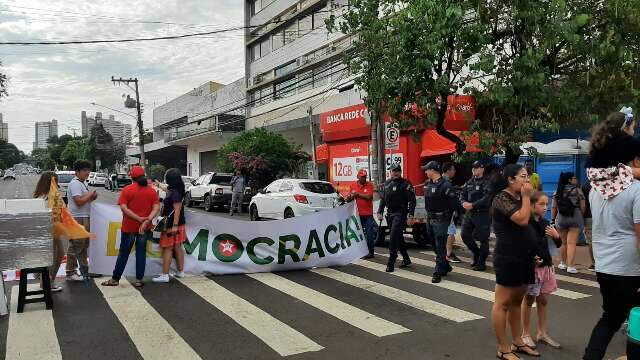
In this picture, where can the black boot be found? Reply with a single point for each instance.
(479, 267)
(406, 262)
(369, 256)
(389, 267)
(436, 278)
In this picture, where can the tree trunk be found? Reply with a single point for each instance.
(442, 131)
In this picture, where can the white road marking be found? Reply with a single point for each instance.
(573, 295)
(277, 335)
(401, 296)
(152, 335)
(339, 309)
(32, 334)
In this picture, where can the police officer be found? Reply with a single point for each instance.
(400, 201)
(476, 225)
(440, 202)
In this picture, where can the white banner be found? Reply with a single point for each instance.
(223, 246)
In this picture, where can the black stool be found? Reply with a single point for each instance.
(46, 291)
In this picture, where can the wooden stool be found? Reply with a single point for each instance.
(46, 291)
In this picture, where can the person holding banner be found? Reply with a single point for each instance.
(362, 193)
(63, 222)
(140, 204)
(176, 231)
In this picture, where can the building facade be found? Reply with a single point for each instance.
(120, 131)
(87, 123)
(4, 130)
(44, 130)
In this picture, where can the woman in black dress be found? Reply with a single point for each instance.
(513, 259)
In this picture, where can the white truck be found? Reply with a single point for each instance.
(213, 190)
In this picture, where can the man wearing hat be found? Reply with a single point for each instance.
(362, 192)
(440, 202)
(400, 201)
(476, 225)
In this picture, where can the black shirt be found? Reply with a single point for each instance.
(399, 197)
(512, 239)
(172, 197)
(476, 192)
(440, 197)
(537, 230)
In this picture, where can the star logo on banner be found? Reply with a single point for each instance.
(227, 247)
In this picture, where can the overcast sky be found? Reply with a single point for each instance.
(59, 81)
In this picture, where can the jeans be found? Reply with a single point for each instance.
(236, 202)
(397, 222)
(370, 229)
(476, 227)
(126, 244)
(619, 295)
(439, 231)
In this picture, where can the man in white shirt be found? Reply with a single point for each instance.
(80, 199)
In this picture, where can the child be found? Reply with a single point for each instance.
(545, 284)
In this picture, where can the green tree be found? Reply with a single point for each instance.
(40, 158)
(56, 146)
(102, 147)
(75, 149)
(10, 155)
(3, 84)
(262, 155)
(531, 64)
(157, 172)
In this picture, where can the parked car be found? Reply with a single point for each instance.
(213, 190)
(90, 178)
(64, 178)
(98, 179)
(287, 198)
(188, 182)
(9, 175)
(120, 181)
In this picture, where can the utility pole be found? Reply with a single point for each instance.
(314, 167)
(137, 106)
(74, 130)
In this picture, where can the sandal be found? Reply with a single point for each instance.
(110, 282)
(547, 340)
(139, 284)
(501, 355)
(528, 341)
(524, 349)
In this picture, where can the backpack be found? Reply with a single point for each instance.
(565, 205)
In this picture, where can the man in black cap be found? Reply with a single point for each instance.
(400, 200)
(440, 201)
(476, 225)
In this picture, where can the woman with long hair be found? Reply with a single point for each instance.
(175, 234)
(42, 191)
(568, 206)
(513, 258)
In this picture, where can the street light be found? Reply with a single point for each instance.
(118, 111)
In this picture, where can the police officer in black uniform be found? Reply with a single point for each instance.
(400, 200)
(476, 225)
(440, 201)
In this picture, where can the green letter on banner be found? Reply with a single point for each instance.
(251, 251)
(227, 248)
(327, 233)
(351, 234)
(293, 252)
(357, 222)
(313, 239)
(200, 241)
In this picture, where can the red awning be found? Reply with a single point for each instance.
(433, 144)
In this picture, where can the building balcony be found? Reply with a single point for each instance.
(218, 123)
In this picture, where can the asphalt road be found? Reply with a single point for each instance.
(356, 312)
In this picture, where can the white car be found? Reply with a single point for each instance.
(287, 198)
(98, 179)
(64, 178)
(92, 175)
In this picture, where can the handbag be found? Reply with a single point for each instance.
(162, 224)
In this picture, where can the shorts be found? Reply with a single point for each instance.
(513, 271)
(167, 241)
(451, 230)
(545, 281)
(568, 222)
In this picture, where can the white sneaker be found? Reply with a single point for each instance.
(572, 270)
(179, 274)
(56, 288)
(75, 277)
(562, 266)
(163, 278)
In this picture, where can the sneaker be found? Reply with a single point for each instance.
(75, 277)
(437, 278)
(162, 278)
(180, 274)
(368, 256)
(572, 270)
(454, 259)
(479, 267)
(389, 268)
(592, 268)
(405, 264)
(562, 266)
(56, 288)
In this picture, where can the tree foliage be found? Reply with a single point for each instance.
(262, 155)
(157, 172)
(75, 149)
(3, 84)
(531, 64)
(10, 155)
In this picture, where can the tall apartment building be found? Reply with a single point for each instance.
(45, 130)
(293, 64)
(4, 130)
(120, 132)
(87, 123)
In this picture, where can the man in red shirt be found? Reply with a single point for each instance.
(140, 204)
(362, 192)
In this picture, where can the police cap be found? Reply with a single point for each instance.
(395, 167)
(432, 165)
(477, 164)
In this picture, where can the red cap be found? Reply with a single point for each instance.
(136, 171)
(362, 172)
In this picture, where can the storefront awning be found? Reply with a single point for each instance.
(433, 144)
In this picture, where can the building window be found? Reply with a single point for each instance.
(285, 69)
(277, 40)
(321, 75)
(290, 33)
(305, 25)
(265, 47)
(285, 88)
(258, 5)
(319, 16)
(255, 52)
(266, 94)
(305, 81)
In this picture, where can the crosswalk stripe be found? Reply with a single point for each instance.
(569, 279)
(341, 310)
(401, 296)
(573, 295)
(152, 335)
(424, 279)
(277, 335)
(31, 334)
